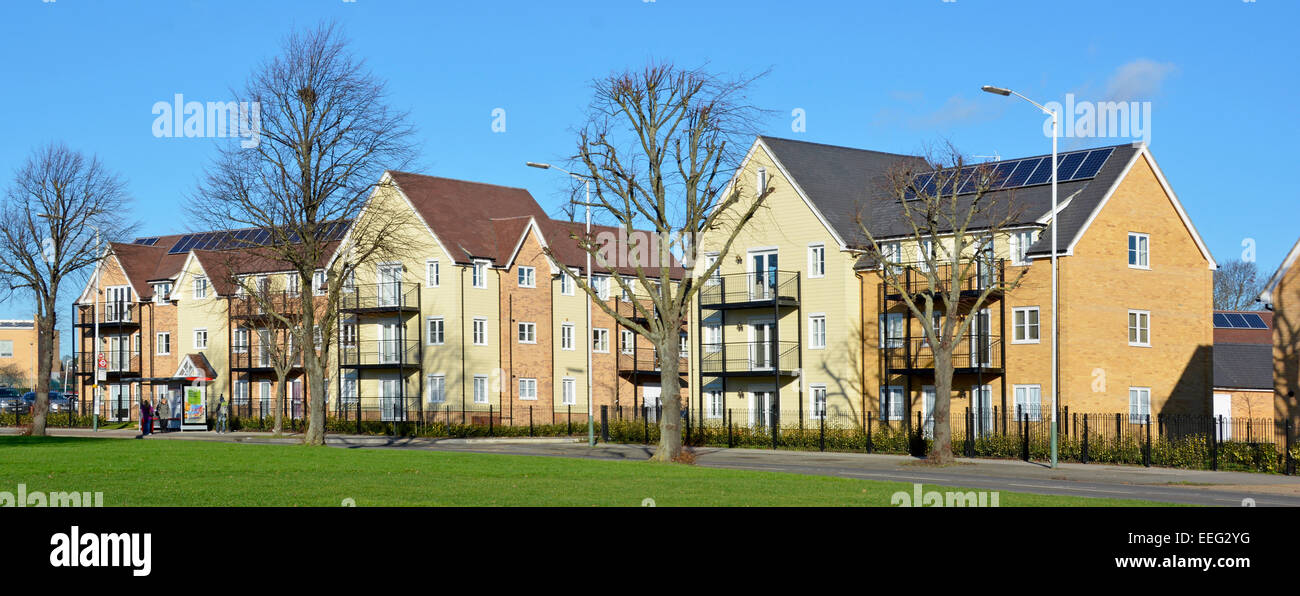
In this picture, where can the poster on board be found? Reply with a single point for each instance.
(196, 416)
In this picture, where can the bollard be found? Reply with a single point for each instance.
(604, 423)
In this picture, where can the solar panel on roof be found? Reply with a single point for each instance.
(1093, 163)
(1221, 321)
(182, 245)
(1068, 164)
(1022, 172)
(1043, 174)
(1254, 321)
(1001, 173)
(1237, 320)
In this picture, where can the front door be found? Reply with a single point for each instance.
(981, 343)
(762, 269)
(650, 394)
(390, 284)
(119, 402)
(389, 343)
(295, 398)
(927, 410)
(1223, 416)
(119, 353)
(390, 399)
(982, 409)
(761, 348)
(760, 409)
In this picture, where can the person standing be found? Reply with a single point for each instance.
(146, 419)
(223, 425)
(161, 412)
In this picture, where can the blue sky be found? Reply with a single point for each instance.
(892, 76)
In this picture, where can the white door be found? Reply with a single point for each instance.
(117, 304)
(390, 284)
(650, 394)
(927, 410)
(119, 352)
(760, 409)
(390, 401)
(982, 409)
(119, 402)
(981, 343)
(1223, 416)
(762, 269)
(761, 349)
(389, 343)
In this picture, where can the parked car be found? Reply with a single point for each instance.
(58, 402)
(11, 402)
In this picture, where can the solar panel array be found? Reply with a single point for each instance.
(145, 241)
(245, 238)
(1232, 320)
(1016, 173)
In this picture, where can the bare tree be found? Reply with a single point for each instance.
(1236, 285)
(47, 236)
(326, 135)
(659, 148)
(958, 274)
(273, 340)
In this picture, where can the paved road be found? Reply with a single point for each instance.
(1196, 487)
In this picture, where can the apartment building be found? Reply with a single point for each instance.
(18, 352)
(1281, 296)
(799, 325)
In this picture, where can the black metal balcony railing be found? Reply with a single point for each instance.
(968, 354)
(916, 277)
(380, 353)
(252, 356)
(749, 357)
(250, 307)
(646, 359)
(119, 361)
(380, 297)
(738, 290)
(119, 312)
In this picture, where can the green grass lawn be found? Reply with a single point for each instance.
(198, 473)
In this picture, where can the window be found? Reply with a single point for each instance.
(716, 278)
(684, 345)
(200, 287)
(891, 330)
(816, 260)
(1139, 404)
(480, 389)
(200, 339)
(600, 340)
(1139, 250)
(1024, 325)
(434, 331)
(348, 334)
(528, 333)
(1139, 328)
(816, 332)
(480, 331)
(349, 388)
(431, 273)
(6, 348)
(600, 283)
(528, 389)
(892, 252)
(527, 277)
(1020, 243)
(926, 254)
(818, 403)
(316, 336)
(479, 276)
(626, 341)
(712, 338)
(568, 391)
(291, 283)
(1029, 402)
(240, 398)
(566, 336)
(760, 183)
(162, 291)
(350, 282)
(891, 402)
(164, 341)
(318, 285)
(240, 340)
(566, 284)
(714, 399)
(436, 388)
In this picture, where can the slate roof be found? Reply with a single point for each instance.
(1243, 366)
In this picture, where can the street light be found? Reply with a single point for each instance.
(95, 305)
(1055, 307)
(591, 425)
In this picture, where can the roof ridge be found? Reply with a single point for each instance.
(875, 151)
(461, 180)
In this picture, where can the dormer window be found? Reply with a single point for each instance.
(162, 292)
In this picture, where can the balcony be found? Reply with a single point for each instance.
(381, 298)
(253, 358)
(969, 357)
(381, 353)
(645, 361)
(113, 315)
(628, 308)
(121, 363)
(750, 359)
(766, 289)
(982, 276)
(245, 307)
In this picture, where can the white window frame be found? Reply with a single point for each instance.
(816, 341)
(760, 181)
(348, 334)
(319, 285)
(891, 252)
(602, 286)
(441, 395)
(240, 394)
(6, 348)
(600, 340)
(480, 331)
(1016, 327)
(349, 389)
(566, 284)
(526, 332)
(885, 339)
(1142, 251)
(200, 287)
(566, 336)
(890, 414)
(626, 341)
(1139, 410)
(239, 339)
(715, 402)
(478, 274)
(712, 338)
(1141, 315)
(1035, 414)
(480, 389)
(816, 260)
(291, 284)
(204, 345)
(568, 391)
(429, 339)
(817, 401)
(1018, 244)
(527, 389)
(163, 340)
(162, 292)
(527, 277)
(432, 273)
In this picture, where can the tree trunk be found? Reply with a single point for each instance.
(316, 400)
(280, 393)
(670, 422)
(941, 449)
(44, 347)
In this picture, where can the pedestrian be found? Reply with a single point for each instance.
(146, 419)
(223, 425)
(161, 413)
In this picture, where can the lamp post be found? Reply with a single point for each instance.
(54, 217)
(586, 180)
(1055, 317)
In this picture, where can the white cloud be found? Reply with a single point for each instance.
(1138, 80)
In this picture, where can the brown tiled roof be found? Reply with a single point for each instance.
(462, 213)
(562, 237)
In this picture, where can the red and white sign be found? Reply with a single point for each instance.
(102, 362)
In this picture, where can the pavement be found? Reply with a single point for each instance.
(1194, 487)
